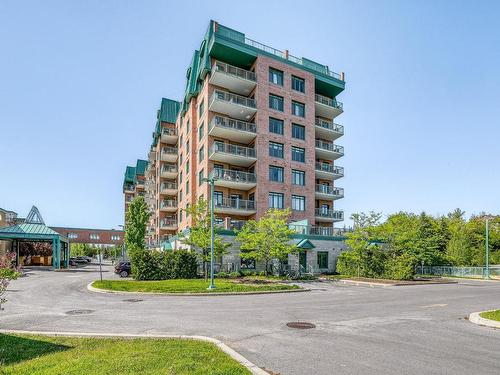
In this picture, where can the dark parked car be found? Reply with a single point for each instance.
(72, 262)
(83, 259)
(123, 269)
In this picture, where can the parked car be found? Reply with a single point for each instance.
(81, 259)
(123, 269)
(72, 262)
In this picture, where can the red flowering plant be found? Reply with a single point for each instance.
(8, 272)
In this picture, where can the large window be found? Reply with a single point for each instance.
(276, 200)
(298, 177)
(298, 109)
(94, 236)
(276, 125)
(298, 203)
(201, 153)
(201, 176)
(275, 173)
(218, 197)
(298, 84)
(276, 149)
(298, 154)
(298, 131)
(322, 259)
(201, 130)
(276, 76)
(201, 108)
(276, 102)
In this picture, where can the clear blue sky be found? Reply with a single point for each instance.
(80, 83)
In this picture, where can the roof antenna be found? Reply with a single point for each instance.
(34, 217)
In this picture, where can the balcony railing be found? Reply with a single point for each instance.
(328, 101)
(168, 203)
(236, 176)
(236, 204)
(313, 230)
(329, 125)
(233, 98)
(330, 214)
(169, 150)
(232, 225)
(229, 148)
(168, 222)
(330, 168)
(329, 146)
(169, 169)
(230, 123)
(128, 187)
(330, 190)
(168, 186)
(169, 132)
(234, 71)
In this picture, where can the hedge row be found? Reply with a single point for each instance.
(163, 265)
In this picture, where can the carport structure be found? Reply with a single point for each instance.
(34, 230)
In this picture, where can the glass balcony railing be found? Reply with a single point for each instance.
(330, 190)
(329, 125)
(233, 98)
(229, 148)
(168, 222)
(330, 168)
(233, 71)
(329, 214)
(168, 203)
(235, 176)
(169, 150)
(169, 132)
(329, 146)
(233, 124)
(168, 186)
(328, 101)
(235, 204)
(128, 187)
(169, 169)
(313, 230)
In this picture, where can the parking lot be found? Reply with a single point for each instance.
(359, 330)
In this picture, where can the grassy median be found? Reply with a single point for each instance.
(192, 286)
(43, 355)
(492, 315)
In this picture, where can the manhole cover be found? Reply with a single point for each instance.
(79, 312)
(300, 325)
(132, 300)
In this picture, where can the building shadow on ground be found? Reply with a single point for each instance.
(16, 349)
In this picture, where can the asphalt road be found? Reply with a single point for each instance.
(359, 330)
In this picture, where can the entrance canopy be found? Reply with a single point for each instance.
(35, 230)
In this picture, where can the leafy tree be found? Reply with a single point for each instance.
(268, 238)
(363, 220)
(136, 220)
(199, 236)
(7, 273)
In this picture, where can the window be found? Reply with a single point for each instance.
(180, 176)
(201, 108)
(180, 195)
(298, 203)
(276, 126)
(275, 173)
(187, 187)
(276, 102)
(298, 154)
(276, 76)
(180, 159)
(181, 140)
(276, 200)
(322, 259)
(247, 264)
(187, 167)
(94, 236)
(298, 84)
(298, 109)
(201, 175)
(298, 177)
(180, 215)
(187, 127)
(115, 238)
(187, 147)
(276, 149)
(187, 210)
(201, 153)
(201, 130)
(218, 198)
(298, 131)
(72, 236)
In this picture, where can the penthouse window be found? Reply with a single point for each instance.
(276, 76)
(298, 84)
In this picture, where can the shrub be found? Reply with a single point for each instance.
(247, 273)
(222, 275)
(234, 275)
(163, 265)
(262, 273)
(400, 267)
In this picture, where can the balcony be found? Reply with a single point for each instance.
(235, 130)
(328, 171)
(140, 183)
(326, 192)
(169, 154)
(328, 129)
(328, 150)
(232, 105)
(169, 171)
(232, 154)
(235, 206)
(327, 107)
(168, 224)
(234, 179)
(168, 188)
(327, 215)
(314, 230)
(168, 205)
(234, 79)
(128, 188)
(169, 135)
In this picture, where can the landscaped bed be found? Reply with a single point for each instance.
(43, 355)
(192, 286)
(416, 281)
(492, 315)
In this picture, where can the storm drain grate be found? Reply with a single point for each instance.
(79, 312)
(133, 300)
(300, 325)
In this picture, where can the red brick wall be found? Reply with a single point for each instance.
(84, 235)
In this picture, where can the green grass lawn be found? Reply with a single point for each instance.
(42, 355)
(493, 315)
(191, 286)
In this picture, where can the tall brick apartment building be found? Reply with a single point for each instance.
(262, 123)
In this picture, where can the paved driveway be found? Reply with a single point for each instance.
(360, 330)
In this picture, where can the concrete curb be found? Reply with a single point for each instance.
(477, 319)
(254, 369)
(386, 285)
(104, 291)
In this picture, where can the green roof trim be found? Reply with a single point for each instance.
(305, 244)
(129, 177)
(37, 229)
(140, 167)
(169, 109)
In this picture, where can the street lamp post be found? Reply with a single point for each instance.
(487, 257)
(123, 244)
(211, 181)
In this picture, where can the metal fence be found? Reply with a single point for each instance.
(458, 271)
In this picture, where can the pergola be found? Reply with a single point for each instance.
(34, 230)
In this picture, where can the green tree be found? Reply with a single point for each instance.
(268, 238)
(136, 220)
(363, 220)
(199, 235)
